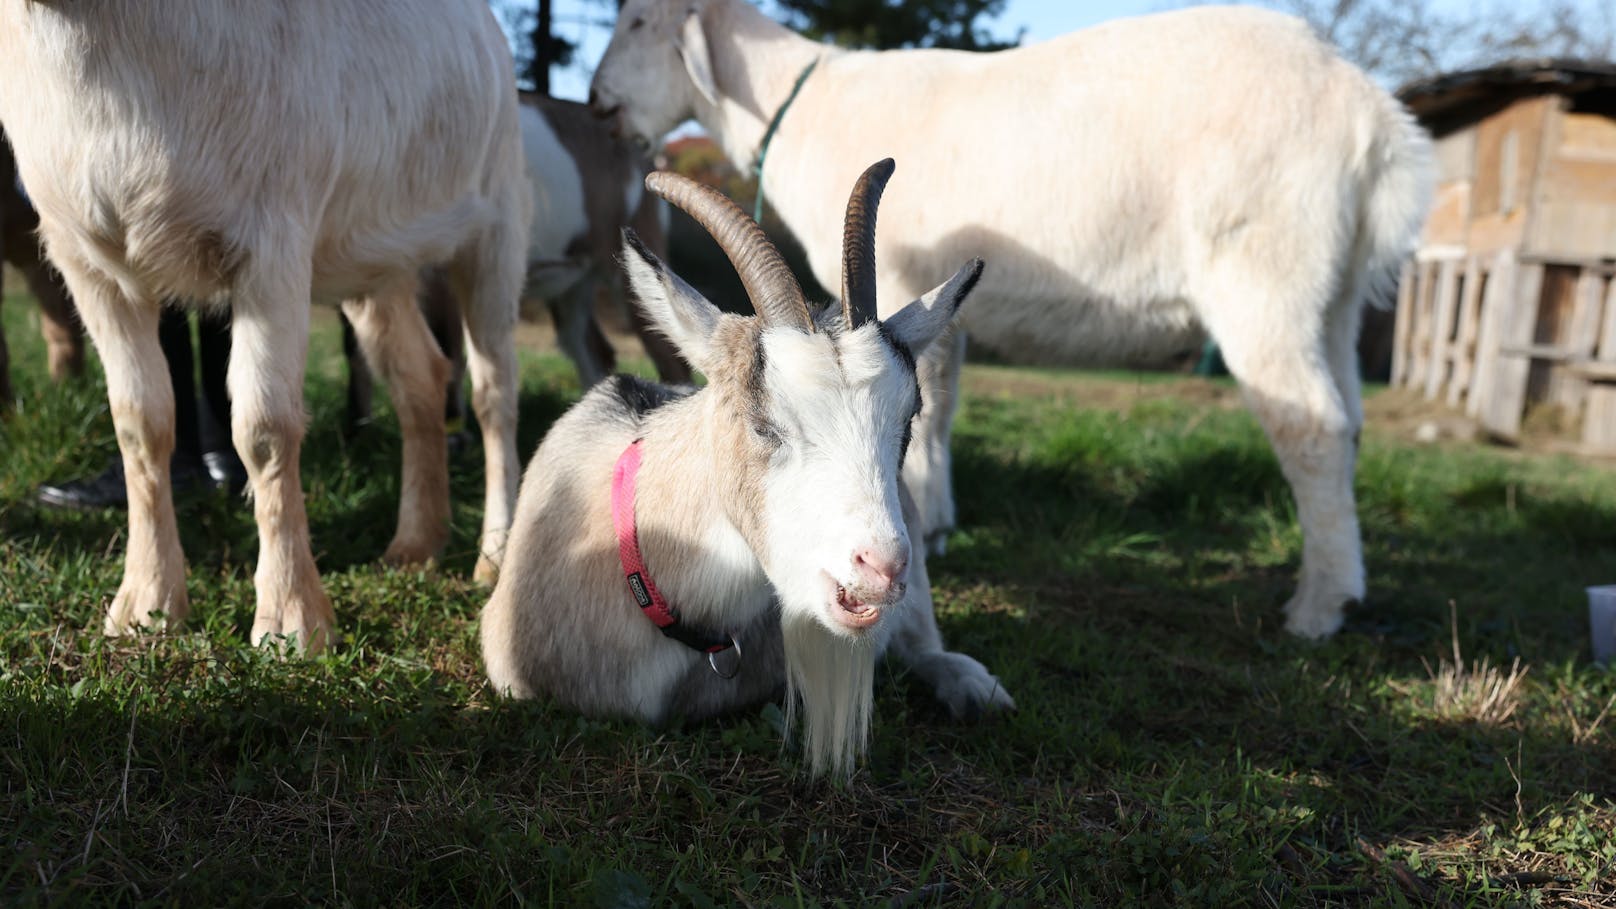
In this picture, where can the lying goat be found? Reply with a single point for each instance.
(1138, 186)
(64, 338)
(256, 156)
(759, 522)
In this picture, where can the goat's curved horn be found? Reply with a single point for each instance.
(858, 244)
(768, 281)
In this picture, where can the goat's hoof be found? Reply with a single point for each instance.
(1315, 618)
(486, 572)
(966, 688)
(937, 541)
(411, 554)
(306, 626)
(154, 607)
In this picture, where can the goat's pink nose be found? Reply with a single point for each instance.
(879, 572)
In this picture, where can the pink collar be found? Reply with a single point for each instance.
(650, 599)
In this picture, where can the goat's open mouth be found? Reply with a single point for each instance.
(853, 612)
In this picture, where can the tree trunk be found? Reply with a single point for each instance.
(543, 49)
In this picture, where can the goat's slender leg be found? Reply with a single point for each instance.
(572, 310)
(64, 336)
(962, 684)
(928, 466)
(1295, 382)
(269, 347)
(395, 337)
(142, 399)
(488, 280)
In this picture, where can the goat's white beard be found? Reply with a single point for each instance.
(832, 679)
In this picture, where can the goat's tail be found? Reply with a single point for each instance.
(430, 239)
(831, 680)
(1394, 197)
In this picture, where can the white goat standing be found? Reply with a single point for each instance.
(1217, 170)
(257, 155)
(777, 483)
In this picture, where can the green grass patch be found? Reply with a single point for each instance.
(1120, 567)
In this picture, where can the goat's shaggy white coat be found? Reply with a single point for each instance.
(256, 155)
(1136, 187)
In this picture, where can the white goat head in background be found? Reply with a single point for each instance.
(658, 60)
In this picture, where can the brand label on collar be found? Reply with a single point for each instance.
(637, 585)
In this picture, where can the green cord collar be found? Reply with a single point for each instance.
(768, 136)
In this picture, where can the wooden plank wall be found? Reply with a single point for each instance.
(1599, 415)
(1492, 334)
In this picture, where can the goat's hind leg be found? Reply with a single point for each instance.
(142, 400)
(1287, 370)
(488, 278)
(394, 336)
(269, 348)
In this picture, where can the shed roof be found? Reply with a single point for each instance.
(1452, 99)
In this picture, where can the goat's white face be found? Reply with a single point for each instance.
(654, 69)
(834, 416)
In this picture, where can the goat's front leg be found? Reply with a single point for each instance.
(270, 337)
(928, 466)
(142, 399)
(962, 684)
(394, 336)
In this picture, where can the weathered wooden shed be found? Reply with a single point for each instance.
(1509, 303)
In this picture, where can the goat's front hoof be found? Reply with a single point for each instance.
(486, 572)
(301, 624)
(140, 606)
(1315, 617)
(964, 686)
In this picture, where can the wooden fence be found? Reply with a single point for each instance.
(1493, 334)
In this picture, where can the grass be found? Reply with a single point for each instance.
(1120, 567)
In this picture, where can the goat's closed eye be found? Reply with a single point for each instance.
(638, 21)
(768, 432)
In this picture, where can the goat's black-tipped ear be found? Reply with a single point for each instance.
(924, 320)
(671, 306)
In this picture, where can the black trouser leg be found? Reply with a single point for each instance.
(174, 334)
(213, 349)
